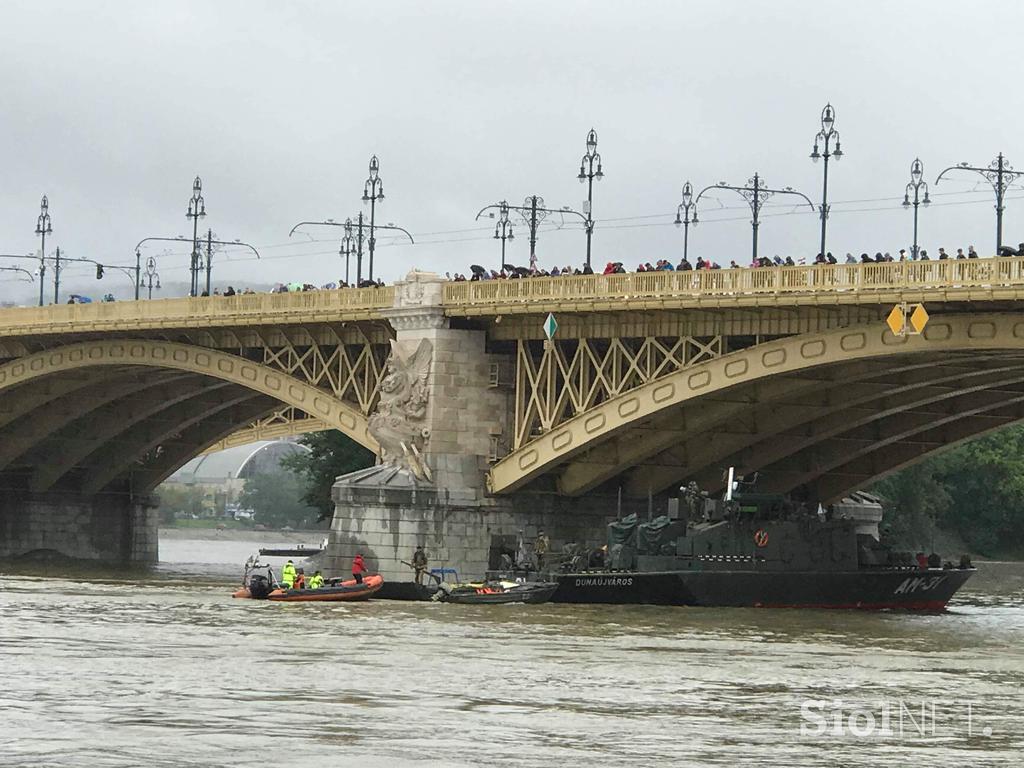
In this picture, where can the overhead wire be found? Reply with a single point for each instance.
(547, 227)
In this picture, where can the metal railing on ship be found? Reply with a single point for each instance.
(210, 308)
(946, 274)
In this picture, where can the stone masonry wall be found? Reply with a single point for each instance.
(464, 410)
(103, 528)
(387, 530)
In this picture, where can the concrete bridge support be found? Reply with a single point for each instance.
(386, 524)
(107, 527)
(385, 513)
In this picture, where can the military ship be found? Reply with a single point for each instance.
(759, 550)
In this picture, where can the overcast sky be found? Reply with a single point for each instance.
(112, 108)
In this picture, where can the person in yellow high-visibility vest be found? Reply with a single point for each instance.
(288, 575)
(316, 581)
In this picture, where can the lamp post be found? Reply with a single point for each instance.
(503, 229)
(43, 228)
(684, 220)
(826, 135)
(534, 206)
(348, 247)
(56, 276)
(152, 276)
(138, 273)
(917, 183)
(359, 246)
(588, 174)
(373, 190)
(1000, 175)
(755, 193)
(196, 211)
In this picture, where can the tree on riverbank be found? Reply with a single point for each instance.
(183, 501)
(975, 491)
(276, 499)
(331, 454)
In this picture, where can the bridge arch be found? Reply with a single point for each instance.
(149, 392)
(608, 440)
(209, 362)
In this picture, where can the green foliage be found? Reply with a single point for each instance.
(331, 454)
(179, 501)
(276, 499)
(975, 491)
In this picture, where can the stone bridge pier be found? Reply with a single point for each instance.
(385, 512)
(104, 527)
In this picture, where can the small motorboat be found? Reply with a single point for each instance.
(259, 583)
(350, 590)
(496, 592)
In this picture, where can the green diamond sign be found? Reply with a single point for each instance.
(550, 326)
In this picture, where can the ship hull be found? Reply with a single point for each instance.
(914, 590)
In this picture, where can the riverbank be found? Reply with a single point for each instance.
(266, 538)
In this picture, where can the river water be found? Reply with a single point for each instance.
(162, 668)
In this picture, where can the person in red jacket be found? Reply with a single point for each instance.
(358, 568)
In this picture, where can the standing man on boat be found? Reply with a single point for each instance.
(358, 568)
(540, 548)
(288, 574)
(419, 563)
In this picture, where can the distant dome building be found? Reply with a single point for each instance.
(238, 463)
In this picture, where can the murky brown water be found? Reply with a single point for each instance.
(163, 668)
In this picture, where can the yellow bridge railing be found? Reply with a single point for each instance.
(850, 281)
(242, 309)
(720, 283)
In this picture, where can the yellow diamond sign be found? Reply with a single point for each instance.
(907, 320)
(918, 319)
(897, 320)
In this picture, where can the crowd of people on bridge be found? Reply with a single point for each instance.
(508, 272)
(478, 272)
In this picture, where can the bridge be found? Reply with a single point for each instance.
(651, 379)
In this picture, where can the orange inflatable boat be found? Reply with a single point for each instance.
(345, 590)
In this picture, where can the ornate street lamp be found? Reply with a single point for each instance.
(152, 276)
(825, 136)
(917, 183)
(588, 174)
(348, 247)
(503, 229)
(683, 216)
(196, 211)
(43, 228)
(373, 190)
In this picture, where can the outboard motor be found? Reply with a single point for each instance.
(443, 590)
(259, 586)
